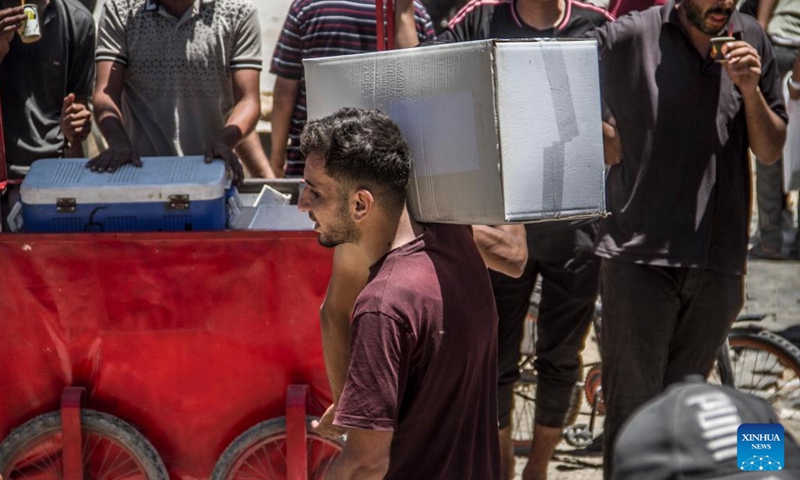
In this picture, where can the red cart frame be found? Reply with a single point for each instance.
(190, 337)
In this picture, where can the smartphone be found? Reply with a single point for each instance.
(716, 48)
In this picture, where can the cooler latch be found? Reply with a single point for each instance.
(66, 205)
(178, 202)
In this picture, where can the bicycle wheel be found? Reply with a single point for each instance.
(260, 453)
(593, 389)
(768, 366)
(524, 407)
(112, 449)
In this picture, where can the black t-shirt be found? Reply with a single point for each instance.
(423, 359)
(681, 196)
(35, 78)
(483, 19)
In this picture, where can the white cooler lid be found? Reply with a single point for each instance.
(157, 179)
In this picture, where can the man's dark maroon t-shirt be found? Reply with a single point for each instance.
(423, 359)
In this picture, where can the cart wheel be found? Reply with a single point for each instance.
(260, 453)
(112, 449)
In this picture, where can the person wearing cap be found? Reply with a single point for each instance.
(678, 128)
(178, 77)
(691, 432)
(46, 85)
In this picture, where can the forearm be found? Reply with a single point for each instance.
(109, 120)
(766, 131)
(241, 122)
(405, 27)
(345, 469)
(284, 98)
(251, 153)
(365, 456)
(764, 11)
(335, 328)
(349, 275)
(503, 248)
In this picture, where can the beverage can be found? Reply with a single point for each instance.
(29, 30)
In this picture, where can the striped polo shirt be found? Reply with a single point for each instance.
(325, 28)
(178, 88)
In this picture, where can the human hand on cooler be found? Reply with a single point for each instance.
(743, 65)
(10, 20)
(114, 157)
(220, 149)
(76, 119)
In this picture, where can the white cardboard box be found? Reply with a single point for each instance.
(500, 131)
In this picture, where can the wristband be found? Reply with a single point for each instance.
(794, 84)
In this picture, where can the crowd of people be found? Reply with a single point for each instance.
(421, 339)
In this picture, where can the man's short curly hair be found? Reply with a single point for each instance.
(362, 149)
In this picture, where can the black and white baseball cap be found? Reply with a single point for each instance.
(689, 432)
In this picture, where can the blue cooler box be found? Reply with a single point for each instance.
(165, 194)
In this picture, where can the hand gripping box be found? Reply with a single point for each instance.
(165, 194)
(500, 131)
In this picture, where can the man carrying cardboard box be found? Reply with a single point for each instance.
(561, 252)
(675, 244)
(419, 400)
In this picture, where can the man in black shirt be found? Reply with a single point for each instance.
(38, 78)
(561, 252)
(45, 85)
(675, 245)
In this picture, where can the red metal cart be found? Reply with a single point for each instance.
(164, 355)
(182, 355)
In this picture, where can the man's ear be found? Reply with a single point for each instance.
(362, 203)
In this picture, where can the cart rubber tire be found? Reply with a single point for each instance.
(271, 434)
(128, 445)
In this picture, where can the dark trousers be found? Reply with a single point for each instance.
(770, 197)
(659, 325)
(570, 273)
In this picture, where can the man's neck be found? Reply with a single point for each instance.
(542, 14)
(177, 8)
(700, 40)
(392, 232)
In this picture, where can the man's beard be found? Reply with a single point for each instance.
(343, 231)
(696, 16)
